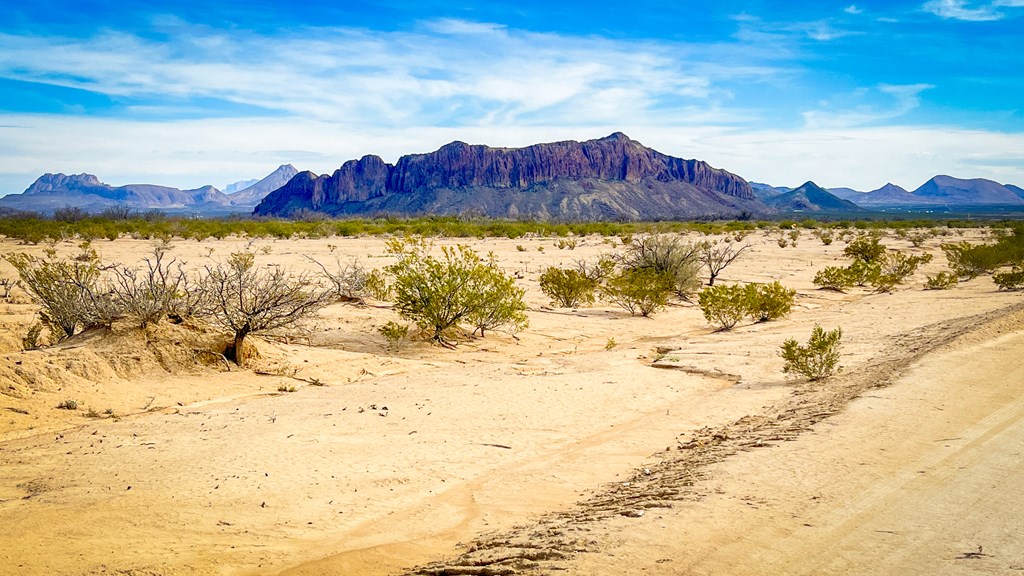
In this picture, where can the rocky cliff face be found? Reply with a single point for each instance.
(615, 176)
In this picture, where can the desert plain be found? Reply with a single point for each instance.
(591, 442)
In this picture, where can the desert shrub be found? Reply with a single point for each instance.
(723, 305)
(834, 278)
(970, 261)
(596, 270)
(148, 294)
(1012, 280)
(941, 281)
(376, 285)
(118, 212)
(643, 290)
(67, 290)
(766, 302)
(563, 244)
(717, 256)
(440, 293)
(348, 278)
(6, 286)
(68, 404)
(865, 248)
(501, 302)
(818, 359)
(668, 256)
(893, 268)
(394, 333)
(33, 338)
(568, 288)
(247, 300)
(863, 273)
(69, 214)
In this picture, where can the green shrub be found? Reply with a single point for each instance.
(568, 288)
(970, 261)
(501, 302)
(394, 333)
(440, 293)
(1013, 280)
(766, 302)
(941, 281)
(724, 305)
(645, 290)
(865, 248)
(818, 359)
(862, 273)
(834, 278)
(376, 286)
(893, 268)
(67, 290)
(33, 338)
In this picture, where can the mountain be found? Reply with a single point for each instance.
(846, 194)
(608, 178)
(888, 195)
(52, 191)
(765, 191)
(812, 198)
(239, 186)
(258, 189)
(947, 190)
(1015, 189)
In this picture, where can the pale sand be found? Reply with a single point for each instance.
(228, 476)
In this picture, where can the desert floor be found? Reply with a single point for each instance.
(593, 442)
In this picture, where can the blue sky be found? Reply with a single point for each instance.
(191, 93)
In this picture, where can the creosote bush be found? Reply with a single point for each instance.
(766, 302)
(835, 278)
(1012, 280)
(941, 281)
(568, 288)
(818, 359)
(643, 290)
(440, 293)
(724, 305)
(394, 333)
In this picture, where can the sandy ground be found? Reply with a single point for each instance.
(401, 459)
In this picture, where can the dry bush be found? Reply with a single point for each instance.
(247, 300)
(716, 256)
(348, 278)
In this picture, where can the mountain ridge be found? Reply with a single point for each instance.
(605, 178)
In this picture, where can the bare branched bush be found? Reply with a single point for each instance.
(150, 293)
(348, 278)
(248, 300)
(668, 256)
(716, 256)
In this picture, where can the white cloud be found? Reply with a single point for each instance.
(958, 10)
(388, 78)
(853, 9)
(904, 98)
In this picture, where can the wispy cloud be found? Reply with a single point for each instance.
(853, 9)
(962, 10)
(902, 99)
(448, 72)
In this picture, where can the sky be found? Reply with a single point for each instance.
(188, 93)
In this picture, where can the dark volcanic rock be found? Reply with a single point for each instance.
(613, 177)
